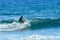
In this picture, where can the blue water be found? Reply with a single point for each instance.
(42, 20)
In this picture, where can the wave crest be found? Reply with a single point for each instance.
(14, 26)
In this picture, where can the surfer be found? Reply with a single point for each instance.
(21, 19)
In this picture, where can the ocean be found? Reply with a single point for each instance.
(41, 20)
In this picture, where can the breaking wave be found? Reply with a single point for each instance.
(32, 23)
(13, 25)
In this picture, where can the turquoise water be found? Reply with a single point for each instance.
(42, 20)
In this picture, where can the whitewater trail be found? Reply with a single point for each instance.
(14, 26)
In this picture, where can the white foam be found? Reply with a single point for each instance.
(14, 26)
(35, 37)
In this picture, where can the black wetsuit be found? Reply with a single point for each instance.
(21, 20)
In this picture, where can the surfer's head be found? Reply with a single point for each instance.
(21, 17)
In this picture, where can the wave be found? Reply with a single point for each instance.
(32, 23)
(13, 26)
(38, 23)
(34, 37)
(10, 14)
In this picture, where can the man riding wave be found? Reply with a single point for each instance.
(21, 19)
